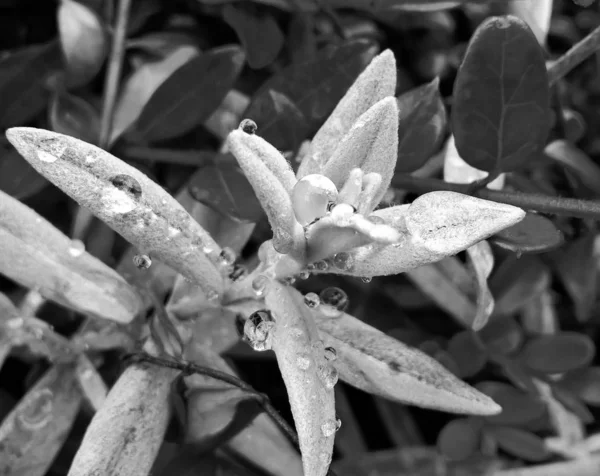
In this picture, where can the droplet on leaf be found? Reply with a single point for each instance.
(257, 330)
(212, 296)
(335, 301)
(142, 261)
(330, 354)
(366, 279)
(238, 272)
(328, 375)
(312, 300)
(304, 274)
(259, 284)
(38, 411)
(227, 257)
(321, 265)
(248, 126)
(311, 196)
(343, 261)
(127, 184)
(77, 248)
(330, 427)
(46, 157)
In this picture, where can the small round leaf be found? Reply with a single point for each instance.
(459, 439)
(558, 353)
(520, 443)
(534, 234)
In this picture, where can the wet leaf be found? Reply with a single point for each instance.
(534, 234)
(558, 353)
(43, 258)
(379, 364)
(314, 87)
(125, 199)
(502, 335)
(421, 126)
(460, 438)
(23, 76)
(224, 187)
(501, 97)
(257, 31)
(83, 41)
(585, 383)
(17, 177)
(575, 161)
(35, 430)
(520, 443)
(74, 116)
(467, 353)
(189, 95)
(518, 408)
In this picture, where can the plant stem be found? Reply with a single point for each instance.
(576, 55)
(541, 203)
(113, 74)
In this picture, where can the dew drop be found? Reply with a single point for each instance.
(142, 261)
(259, 284)
(304, 274)
(343, 261)
(248, 126)
(328, 375)
(330, 427)
(303, 362)
(321, 265)
(90, 158)
(330, 354)
(118, 201)
(76, 248)
(310, 267)
(38, 410)
(257, 330)
(289, 280)
(366, 279)
(335, 301)
(129, 185)
(212, 296)
(312, 300)
(46, 156)
(238, 272)
(227, 257)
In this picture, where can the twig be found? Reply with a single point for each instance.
(578, 467)
(576, 55)
(111, 84)
(541, 203)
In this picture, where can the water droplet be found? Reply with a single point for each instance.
(248, 126)
(257, 330)
(118, 201)
(321, 265)
(312, 300)
(335, 300)
(142, 261)
(212, 296)
(289, 280)
(330, 354)
(259, 284)
(77, 248)
(304, 274)
(227, 257)
(343, 261)
(127, 184)
(330, 427)
(303, 362)
(46, 157)
(366, 279)
(38, 410)
(310, 267)
(311, 196)
(238, 272)
(331, 206)
(90, 158)
(328, 375)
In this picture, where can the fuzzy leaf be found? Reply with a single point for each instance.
(421, 126)
(37, 255)
(370, 144)
(83, 40)
(518, 408)
(125, 199)
(189, 96)
(32, 434)
(314, 87)
(534, 234)
(481, 260)
(558, 353)
(501, 97)
(379, 364)
(258, 32)
(301, 362)
(375, 83)
(127, 432)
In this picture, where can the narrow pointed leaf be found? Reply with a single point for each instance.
(481, 261)
(33, 433)
(501, 97)
(375, 83)
(379, 364)
(37, 255)
(125, 199)
(296, 345)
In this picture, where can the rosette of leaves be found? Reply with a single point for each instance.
(324, 220)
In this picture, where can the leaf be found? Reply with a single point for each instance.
(468, 353)
(91, 383)
(34, 431)
(83, 41)
(41, 257)
(314, 87)
(74, 116)
(139, 87)
(518, 408)
(459, 439)
(501, 97)
(224, 187)
(257, 31)
(189, 95)
(161, 43)
(480, 261)
(421, 126)
(127, 432)
(520, 443)
(585, 383)
(503, 335)
(537, 14)
(17, 177)
(576, 267)
(308, 376)
(379, 364)
(558, 353)
(23, 76)
(125, 199)
(534, 234)
(575, 161)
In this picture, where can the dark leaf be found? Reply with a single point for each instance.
(23, 75)
(572, 402)
(467, 353)
(460, 438)
(161, 43)
(225, 188)
(585, 383)
(502, 335)
(501, 97)
(577, 162)
(533, 234)
(520, 443)
(74, 116)
(189, 95)
(258, 32)
(315, 87)
(421, 126)
(576, 267)
(521, 376)
(518, 408)
(558, 353)
(17, 177)
(301, 41)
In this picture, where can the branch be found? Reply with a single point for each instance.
(576, 55)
